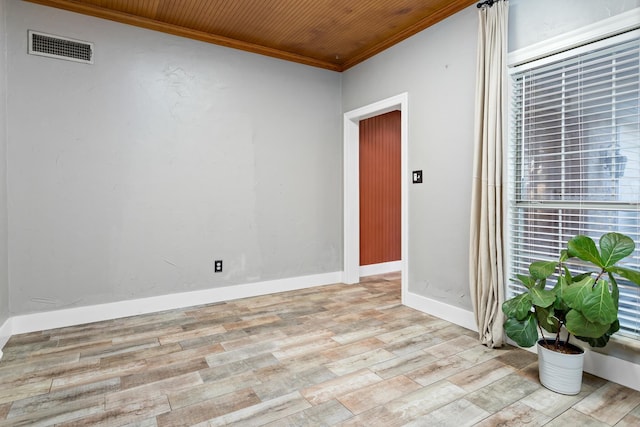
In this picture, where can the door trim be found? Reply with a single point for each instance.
(351, 146)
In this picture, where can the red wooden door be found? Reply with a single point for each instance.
(380, 189)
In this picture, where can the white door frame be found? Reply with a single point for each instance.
(351, 147)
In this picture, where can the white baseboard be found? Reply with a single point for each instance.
(80, 315)
(450, 313)
(5, 334)
(382, 268)
(613, 369)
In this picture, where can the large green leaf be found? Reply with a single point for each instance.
(542, 297)
(579, 277)
(560, 289)
(631, 275)
(604, 339)
(584, 248)
(518, 307)
(542, 269)
(567, 275)
(580, 326)
(527, 281)
(615, 247)
(575, 293)
(523, 332)
(547, 320)
(598, 306)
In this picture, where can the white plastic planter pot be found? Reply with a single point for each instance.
(560, 372)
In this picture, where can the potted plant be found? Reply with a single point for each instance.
(584, 305)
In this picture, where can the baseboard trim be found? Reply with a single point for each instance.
(95, 313)
(613, 369)
(381, 268)
(5, 334)
(450, 313)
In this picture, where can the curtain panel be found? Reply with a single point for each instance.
(486, 252)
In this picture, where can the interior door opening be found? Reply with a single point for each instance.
(380, 194)
(351, 273)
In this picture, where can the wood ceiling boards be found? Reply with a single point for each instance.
(331, 34)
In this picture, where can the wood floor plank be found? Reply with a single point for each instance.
(340, 386)
(326, 414)
(353, 349)
(502, 393)
(300, 349)
(230, 342)
(551, 404)
(140, 354)
(264, 412)
(250, 364)
(575, 418)
(155, 374)
(243, 353)
(98, 374)
(13, 393)
(516, 414)
(174, 384)
(128, 412)
(360, 361)
(204, 391)
(377, 394)
(179, 357)
(399, 365)
(209, 409)
(632, 419)
(610, 403)
(25, 363)
(424, 400)
(15, 376)
(120, 348)
(45, 402)
(481, 375)
(438, 370)
(290, 380)
(459, 413)
(4, 410)
(69, 411)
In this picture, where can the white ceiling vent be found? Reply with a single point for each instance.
(60, 47)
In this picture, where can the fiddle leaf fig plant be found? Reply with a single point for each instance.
(585, 304)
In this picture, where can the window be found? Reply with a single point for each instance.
(575, 156)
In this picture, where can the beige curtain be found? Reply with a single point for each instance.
(486, 273)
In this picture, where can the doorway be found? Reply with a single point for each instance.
(379, 159)
(351, 143)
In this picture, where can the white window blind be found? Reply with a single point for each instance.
(575, 156)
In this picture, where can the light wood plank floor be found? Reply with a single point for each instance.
(333, 355)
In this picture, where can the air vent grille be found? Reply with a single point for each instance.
(60, 47)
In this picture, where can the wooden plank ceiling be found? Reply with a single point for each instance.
(331, 34)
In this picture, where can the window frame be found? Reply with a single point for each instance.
(518, 67)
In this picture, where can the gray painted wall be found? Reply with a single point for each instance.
(4, 278)
(130, 176)
(437, 68)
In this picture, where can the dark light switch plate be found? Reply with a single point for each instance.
(417, 177)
